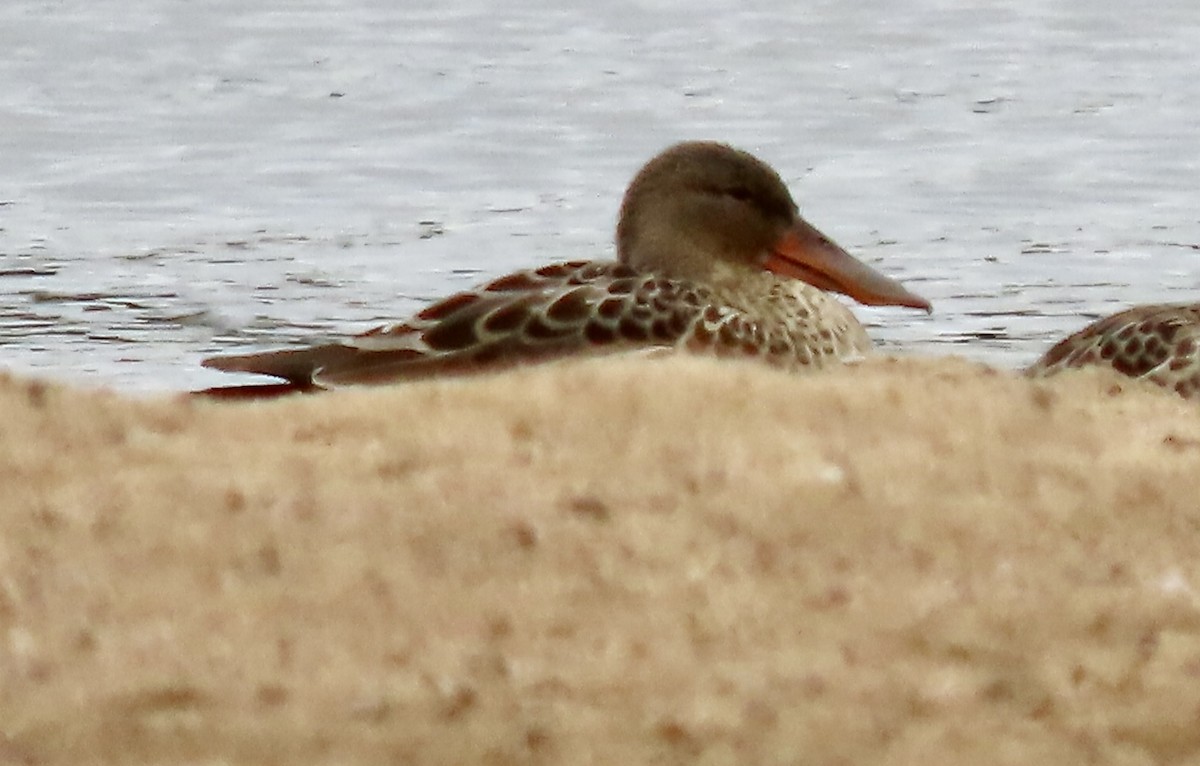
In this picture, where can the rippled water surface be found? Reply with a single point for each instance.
(215, 176)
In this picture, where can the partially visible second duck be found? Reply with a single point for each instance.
(1159, 343)
(712, 258)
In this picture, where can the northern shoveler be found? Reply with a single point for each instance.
(712, 257)
(1159, 343)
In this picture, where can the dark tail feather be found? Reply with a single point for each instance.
(295, 365)
(253, 391)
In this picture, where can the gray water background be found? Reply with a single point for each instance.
(185, 178)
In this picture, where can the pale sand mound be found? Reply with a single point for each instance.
(671, 561)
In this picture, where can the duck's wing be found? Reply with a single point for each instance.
(527, 316)
(1159, 343)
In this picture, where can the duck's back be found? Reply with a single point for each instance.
(571, 309)
(1159, 343)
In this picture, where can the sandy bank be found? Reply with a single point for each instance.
(672, 561)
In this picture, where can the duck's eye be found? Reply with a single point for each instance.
(740, 193)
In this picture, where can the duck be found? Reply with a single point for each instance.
(712, 257)
(1159, 343)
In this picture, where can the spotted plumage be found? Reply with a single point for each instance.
(1157, 343)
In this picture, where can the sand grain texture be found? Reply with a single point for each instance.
(672, 561)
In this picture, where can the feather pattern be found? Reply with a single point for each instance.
(1158, 343)
(557, 310)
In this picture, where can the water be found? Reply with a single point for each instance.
(197, 178)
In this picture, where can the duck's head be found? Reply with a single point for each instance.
(707, 212)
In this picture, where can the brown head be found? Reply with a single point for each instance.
(707, 212)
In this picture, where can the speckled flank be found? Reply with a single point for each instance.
(584, 308)
(1157, 343)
